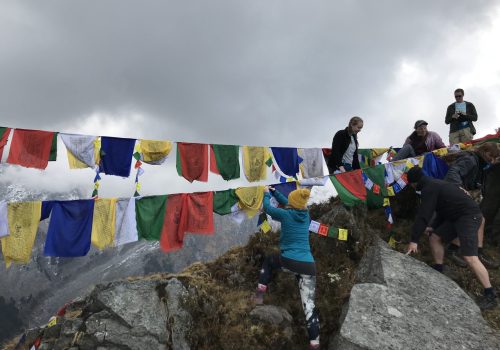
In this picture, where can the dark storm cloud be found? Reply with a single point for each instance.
(244, 72)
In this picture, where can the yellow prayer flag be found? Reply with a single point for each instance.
(74, 163)
(23, 223)
(390, 191)
(441, 151)
(155, 151)
(387, 202)
(420, 161)
(254, 162)
(265, 227)
(97, 150)
(409, 164)
(52, 322)
(392, 242)
(378, 151)
(250, 199)
(103, 224)
(342, 234)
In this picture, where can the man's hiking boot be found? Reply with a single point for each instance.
(488, 261)
(456, 258)
(487, 302)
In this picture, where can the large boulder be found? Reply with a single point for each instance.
(401, 303)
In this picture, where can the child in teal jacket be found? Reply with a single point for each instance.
(295, 254)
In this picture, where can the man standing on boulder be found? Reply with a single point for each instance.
(460, 115)
(457, 215)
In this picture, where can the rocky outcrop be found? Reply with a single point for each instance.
(401, 303)
(141, 314)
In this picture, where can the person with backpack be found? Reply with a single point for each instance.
(295, 256)
(447, 212)
(468, 172)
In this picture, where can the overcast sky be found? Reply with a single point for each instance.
(275, 73)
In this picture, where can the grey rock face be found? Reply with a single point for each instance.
(401, 303)
(274, 315)
(179, 321)
(271, 314)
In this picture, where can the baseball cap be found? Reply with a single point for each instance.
(420, 123)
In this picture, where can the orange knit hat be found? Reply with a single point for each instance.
(298, 198)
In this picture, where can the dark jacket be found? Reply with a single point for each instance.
(447, 200)
(467, 171)
(470, 116)
(340, 143)
(491, 183)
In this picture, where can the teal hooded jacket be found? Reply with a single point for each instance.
(294, 237)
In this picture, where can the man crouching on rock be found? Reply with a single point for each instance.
(457, 215)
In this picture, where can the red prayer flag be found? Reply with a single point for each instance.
(404, 177)
(30, 148)
(3, 140)
(172, 234)
(199, 212)
(186, 212)
(323, 230)
(353, 182)
(194, 161)
(376, 189)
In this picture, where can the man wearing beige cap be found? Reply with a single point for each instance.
(419, 142)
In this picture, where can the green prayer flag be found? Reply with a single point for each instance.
(333, 232)
(150, 214)
(227, 158)
(269, 161)
(367, 154)
(377, 175)
(53, 149)
(224, 201)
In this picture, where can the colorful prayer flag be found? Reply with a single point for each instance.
(342, 234)
(250, 199)
(323, 230)
(154, 152)
(350, 187)
(116, 156)
(150, 214)
(70, 228)
(226, 159)
(192, 161)
(224, 201)
(265, 227)
(103, 224)
(23, 219)
(333, 232)
(30, 148)
(287, 160)
(254, 159)
(314, 226)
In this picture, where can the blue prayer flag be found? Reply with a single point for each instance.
(70, 228)
(287, 159)
(116, 156)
